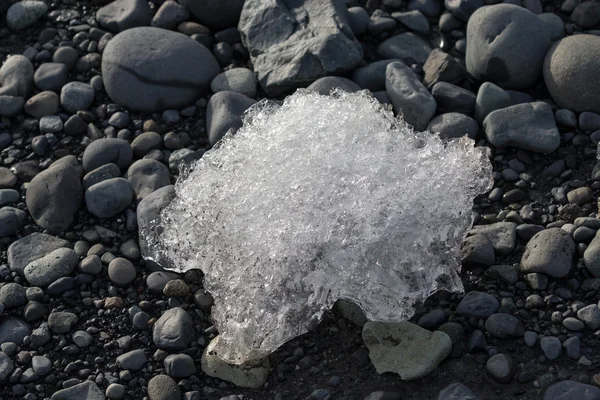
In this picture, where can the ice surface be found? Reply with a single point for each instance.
(320, 198)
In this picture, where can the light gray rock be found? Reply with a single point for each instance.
(591, 256)
(54, 196)
(109, 198)
(372, 76)
(30, 248)
(528, 126)
(408, 95)
(250, 376)
(290, 50)
(163, 387)
(133, 360)
(506, 44)
(146, 176)
(490, 98)
(173, 331)
(106, 151)
(42, 104)
(456, 391)
(549, 252)
(77, 96)
(224, 112)
(398, 347)
(454, 125)
(120, 15)
(327, 84)
(16, 76)
(572, 75)
(239, 80)
(571, 390)
(87, 390)
(45, 270)
(590, 315)
(169, 15)
(25, 13)
(215, 14)
(171, 73)
(503, 236)
(12, 295)
(408, 47)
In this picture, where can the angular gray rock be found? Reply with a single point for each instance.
(120, 15)
(173, 331)
(87, 390)
(54, 196)
(572, 75)
(506, 45)
(490, 98)
(528, 126)
(292, 47)
(398, 347)
(152, 69)
(408, 95)
(215, 14)
(590, 315)
(45, 270)
(453, 98)
(32, 247)
(224, 112)
(408, 47)
(549, 252)
(6, 366)
(25, 13)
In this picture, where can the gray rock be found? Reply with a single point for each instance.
(173, 75)
(148, 210)
(358, 18)
(42, 104)
(527, 126)
(12, 295)
(454, 125)
(408, 47)
(66, 55)
(51, 124)
(327, 84)
(506, 45)
(25, 13)
(51, 76)
(145, 143)
(120, 15)
(571, 390)
(16, 76)
(549, 252)
(372, 76)
(503, 236)
(477, 250)
(8, 196)
(490, 98)
(591, 256)
(109, 198)
(41, 335)
(11, 220)
(413, 20)
(133, 360)
(586, 15)
(6, 366)
(173, 331)
(239, 80)
(408, 95)
(554, 25)
(463, 9)
(551, 347)
(11, 106)
(157, 280)
(115, 391)
(477, 304)
(571, 73)
(504, 326)
(398, 348)
(456, 391)
(452, 98)
(501, 368)
(215, 14)
(30, 248)
(62, 321)
(45, 270)
(77, 96)
(54, 196)
(163, 387)
(82, 339)
(290, 50)
(442, 67)
(224, 112)
(179, 365)
(169, 15)
(13, 329)
(107, 171)
(572, 347)
(106, 151)
(146, 176)
(41, 365)
(504, 273)
(590, 315)
(87, 390)
(121, 272)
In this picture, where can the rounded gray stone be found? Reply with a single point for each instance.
(477, 304)
(25, 13)
(571, 390)
(51, 76)
(179, 365)
(106, 151)
(501, 368)
(477, 250)
(572, 75)
(504, 326)
(171, 72)
(45, 270)
(41, 365)
(224, 112)
(239, 80)
(408, 47)
(506, 44)
(326, 84)
(109, 198)
(120, 15)
(549, 252)
(173, 331)
(12, 295)
(551, 347)
(146, 176)
(163, 387)
(77, 96)
(215, 14)
(121, 271)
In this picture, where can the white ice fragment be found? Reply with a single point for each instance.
(317, 199)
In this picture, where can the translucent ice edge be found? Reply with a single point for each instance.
(317, 199)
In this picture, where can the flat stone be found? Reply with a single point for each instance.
(45, 270)
(30, 248)
(239, 80)
(398, 347)
(105, 151)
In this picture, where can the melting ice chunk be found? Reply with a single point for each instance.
(317, 199)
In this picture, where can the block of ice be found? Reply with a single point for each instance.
(316, 199)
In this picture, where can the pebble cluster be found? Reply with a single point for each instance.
(104, 103)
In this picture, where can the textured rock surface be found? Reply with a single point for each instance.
(291, 48)
(344, 218)
(171, 72)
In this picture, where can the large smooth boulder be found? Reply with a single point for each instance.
(215, 14)
(506, 44)
(572, 74)
(152, 69)
(292, 49)
(54, 196)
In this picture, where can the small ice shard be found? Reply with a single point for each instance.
(318, 199)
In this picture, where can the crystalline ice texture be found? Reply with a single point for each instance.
(317, 199)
